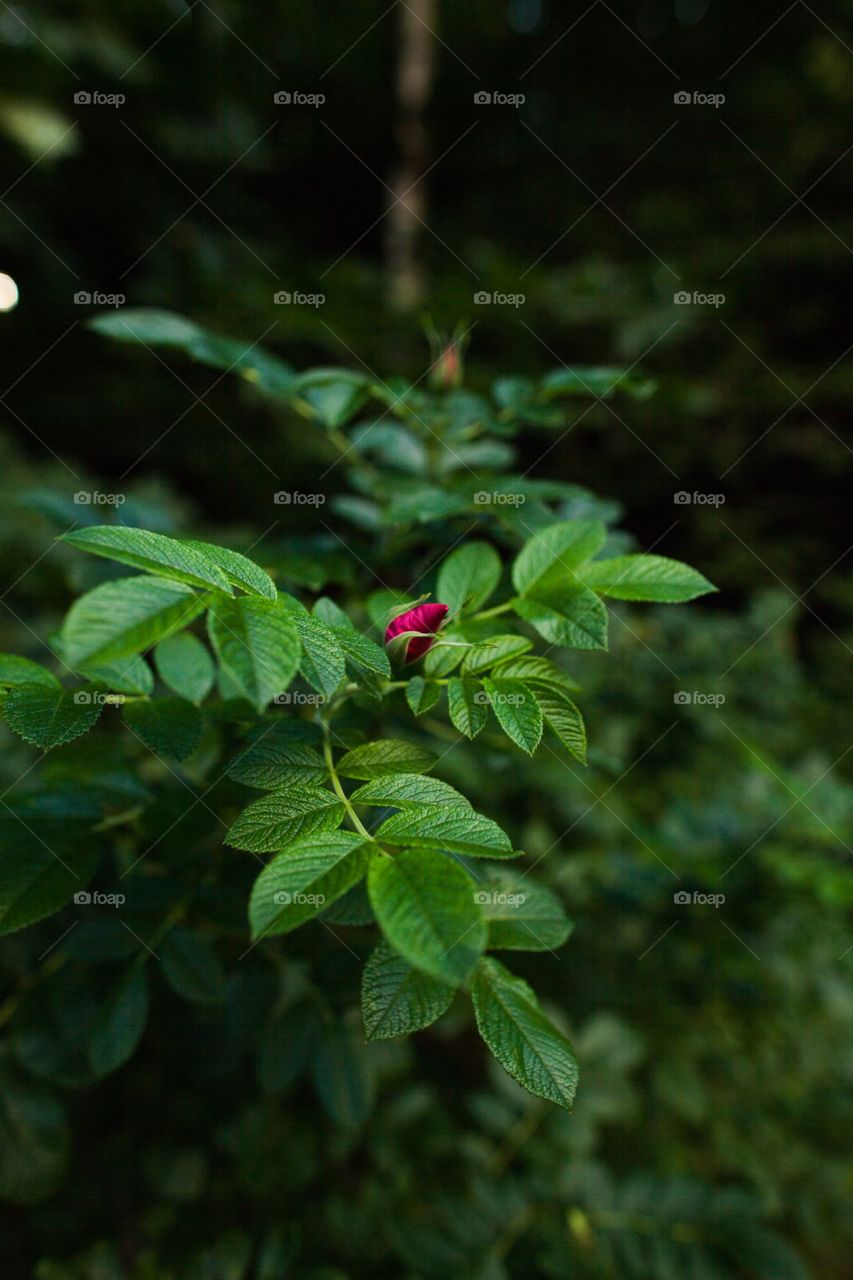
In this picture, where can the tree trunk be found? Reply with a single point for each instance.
(415, 72)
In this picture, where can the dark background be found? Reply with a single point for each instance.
(598, 199)
(694, 197)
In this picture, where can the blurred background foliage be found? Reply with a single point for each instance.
(716, 1085)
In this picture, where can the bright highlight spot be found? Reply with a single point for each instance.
(8, 293)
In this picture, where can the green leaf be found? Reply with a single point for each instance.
(48, 715)
(257, 644)
(642, 577)
(425, 906)
(120, 1023)
(518, 712)
(152, 327)
(125, 616)
(457, 830)
(421, 696)
(564, 718)
(238, 569)
(397, 999)
(34, 1138)
(154, 552)
(149, 326)
(15, 670)
(363, 654)
(323, 660)
(551, 557)
(521, 914)
(303, 881)
(468, 577)
(409, 791)
(489, 652)
(387, 755)
(168, 726)
(525, 1043)
(342, 1075)
(191, 966)
(37, 879)
(468, 705)
(282, 755)
(537, 671)
(185, 665)
(334, 395)
(278, 819)
(126, 675)
(597, 382)
(575, 618)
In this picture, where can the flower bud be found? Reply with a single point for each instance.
(421, 624)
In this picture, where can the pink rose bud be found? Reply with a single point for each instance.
(425, 619)
(446, 373)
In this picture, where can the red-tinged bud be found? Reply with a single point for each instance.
(446, 373)
(424, 621)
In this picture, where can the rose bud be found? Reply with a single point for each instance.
(421, 624)
(446, 372)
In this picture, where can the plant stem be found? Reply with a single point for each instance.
(336, 783)
(493, 613)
